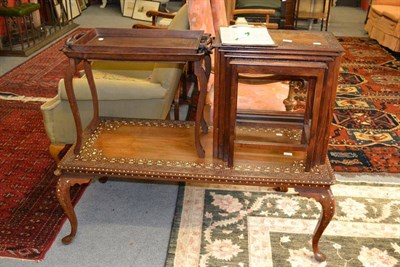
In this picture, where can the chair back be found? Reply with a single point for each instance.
(207, 15)
(181, 20)
(169, 74)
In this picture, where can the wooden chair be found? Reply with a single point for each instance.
(264, 13)
(282, 17)
(155, 17)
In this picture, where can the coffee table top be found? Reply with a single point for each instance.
(294, 40)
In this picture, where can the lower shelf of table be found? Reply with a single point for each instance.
(165, 151)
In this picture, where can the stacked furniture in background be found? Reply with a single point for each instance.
(26, 26)
(18, 21)
(383, 23)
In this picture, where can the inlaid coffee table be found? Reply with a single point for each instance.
(155, 150)
(176, 151)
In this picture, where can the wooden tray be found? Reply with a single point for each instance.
(134, 41)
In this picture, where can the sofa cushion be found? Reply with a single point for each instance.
(19, 10)
(120, 75)
(115, 89)
(181, 19)
(386, 2)
(127, 69)
(384, 18)
(388, 26)
(379, 9)
(393, 14)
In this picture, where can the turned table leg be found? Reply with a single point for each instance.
(325, 197)
(64, 197)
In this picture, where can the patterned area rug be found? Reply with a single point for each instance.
(30, 216)
(365, 136)
(39, 76)
(237, 226)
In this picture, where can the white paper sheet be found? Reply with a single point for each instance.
(246, 36)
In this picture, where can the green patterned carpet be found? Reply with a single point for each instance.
(256, 227)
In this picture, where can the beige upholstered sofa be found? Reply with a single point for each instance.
(383, 23)
(125, 89)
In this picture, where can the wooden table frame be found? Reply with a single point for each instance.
(91, 157)
(313, 71)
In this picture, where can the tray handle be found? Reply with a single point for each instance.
(70, 41)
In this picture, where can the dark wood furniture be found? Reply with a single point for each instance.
(283, 16)
(155, 150)
(314, 72)
(294, 53)
(322, 15)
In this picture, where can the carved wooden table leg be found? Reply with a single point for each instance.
(93, 91)
(325, 197)
(290, 102)
(64, 197)
(200, 122)
(68, 77)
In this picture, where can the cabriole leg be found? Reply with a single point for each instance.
(325, 197)
(64, 197)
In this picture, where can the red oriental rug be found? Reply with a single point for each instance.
(30, 215)
(39, 76)
(365, 136)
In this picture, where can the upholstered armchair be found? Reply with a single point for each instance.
(383, 23)
(125, 90)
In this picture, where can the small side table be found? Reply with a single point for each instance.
(137, 45)
(292, 48)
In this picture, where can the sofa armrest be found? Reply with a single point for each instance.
(386, 2)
